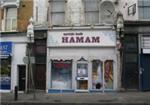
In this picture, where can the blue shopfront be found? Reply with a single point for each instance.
(5, 58)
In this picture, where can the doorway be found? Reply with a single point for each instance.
(130, 73)
(82, 76)
(22, 77)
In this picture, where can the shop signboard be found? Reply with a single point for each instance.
(5, 48)
(5, 53)
(82, 38)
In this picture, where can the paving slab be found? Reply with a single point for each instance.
(114, 98)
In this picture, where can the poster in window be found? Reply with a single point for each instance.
(5, 77)
(108, 74)
(82, 70)
(97, 74)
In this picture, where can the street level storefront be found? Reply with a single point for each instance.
(5, 61)
(136, 72)
(13, 69)
(81, 60)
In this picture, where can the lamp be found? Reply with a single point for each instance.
(120, 36)
(30, 31)
(30, 36)
(120, 25)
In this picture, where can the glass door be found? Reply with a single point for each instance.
(82, 76)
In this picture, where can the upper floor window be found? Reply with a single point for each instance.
(144, 9)
(10, 19)
(91, 11)
(57, 8)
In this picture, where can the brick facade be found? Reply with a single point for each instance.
(1, 17)
(25, 12)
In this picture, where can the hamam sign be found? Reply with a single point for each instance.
(81, 38)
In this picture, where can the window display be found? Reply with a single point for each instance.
(61, 74)
(5, 74)
(108, 74)
(97, 72)
(82, 70)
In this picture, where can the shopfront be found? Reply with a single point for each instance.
(5, 61)
(81, 60)
(13, 69)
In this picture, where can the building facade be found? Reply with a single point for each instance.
(14, 20)
(136, 51)
(75, 45)
(81, 46)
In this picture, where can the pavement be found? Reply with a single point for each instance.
(111, 98)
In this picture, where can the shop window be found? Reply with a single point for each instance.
(82, 74)
(108, 74)
(61, 74)
(97, 72)
(82, 70)
(5, 74)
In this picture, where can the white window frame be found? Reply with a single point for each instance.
(58, 12)
(4, 21)
(92, 12)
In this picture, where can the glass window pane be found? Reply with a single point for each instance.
(92, 17)
(91, 5)
(5, 74)
(58, 6)
(97, 72)
(82, 70)
(61, 74)
(82, 84)
(91, 11)
(108, 74)
(8, 24)
(58, 18)
(11, 19)
(14, 24)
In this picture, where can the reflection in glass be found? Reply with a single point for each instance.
(61, 74)
(82, 70)
(97, 74)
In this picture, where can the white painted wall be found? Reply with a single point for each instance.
(40, 8)
(18, 52)
(123, 7)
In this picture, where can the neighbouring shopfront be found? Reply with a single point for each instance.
(81, 60)
(13, 69)
(5, 61)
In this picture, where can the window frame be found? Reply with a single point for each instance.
(57, 12)
(92, 12)
(5, 22)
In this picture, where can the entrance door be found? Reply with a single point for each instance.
(145, 76)
(22, 77)
(82, 77)
(130, 73)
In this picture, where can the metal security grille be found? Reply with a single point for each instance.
(145, 41)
